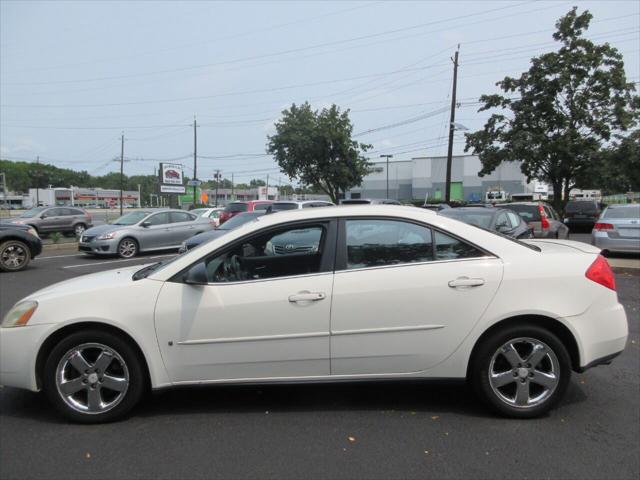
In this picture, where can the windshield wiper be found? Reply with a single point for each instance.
(146, 271)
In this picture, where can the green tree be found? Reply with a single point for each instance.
(556, 116)
(316, 148)
(616, 169)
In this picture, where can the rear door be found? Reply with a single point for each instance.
(404, 295)
(183, 226)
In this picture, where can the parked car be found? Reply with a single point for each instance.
(143, 231)
(544, 220)
(235, 222)
(618, 229)
(436, 207)
(369, 201)
(581, 214)
(295, 205)
(235, 208)
(19, 244)
(374, 300)
(54, 219)
(213, 214)
(501, 220)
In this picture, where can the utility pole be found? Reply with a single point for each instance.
(232, 188)
(267, 190)
(447, 196)
(121, 170)
(38, 181)
(195, 161)
(387, 169)
(217, 185)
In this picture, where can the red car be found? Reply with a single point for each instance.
(171, 174)
(236, 208)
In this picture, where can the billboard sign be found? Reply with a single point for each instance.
(171, 174)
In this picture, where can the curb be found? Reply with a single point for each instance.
(59, 246)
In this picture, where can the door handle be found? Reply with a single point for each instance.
(466, 282)
(306, 296)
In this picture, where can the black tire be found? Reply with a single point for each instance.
(137, 375)
(481, 362)
(76, 227)
(129, 253)
(14, 256)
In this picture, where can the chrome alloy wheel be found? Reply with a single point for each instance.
(13, 256)
(127, 248)
(524, 372)
(92, 378)
(79, 230)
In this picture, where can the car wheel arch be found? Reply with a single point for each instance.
(548, 323)
(56, 336)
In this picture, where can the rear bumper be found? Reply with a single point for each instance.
(599, 361)
(580, 222)
(603, 241)
(600, 332)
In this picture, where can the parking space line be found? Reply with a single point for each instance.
(115, 261)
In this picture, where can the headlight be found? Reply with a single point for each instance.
(20, 314)
(33, 232)
(107, 236)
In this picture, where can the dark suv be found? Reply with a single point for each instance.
(581, 214)
(55, 219)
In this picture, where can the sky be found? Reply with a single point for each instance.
(76, 75)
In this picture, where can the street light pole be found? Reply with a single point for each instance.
(387, 169)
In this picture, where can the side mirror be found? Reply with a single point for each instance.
(196, 275)
(146, 224)
(503, 227)
(44, 215)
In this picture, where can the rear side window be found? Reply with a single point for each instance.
(375, 243)
(236, 207)
(450, 248)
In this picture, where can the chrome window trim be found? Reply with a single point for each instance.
(410, 264)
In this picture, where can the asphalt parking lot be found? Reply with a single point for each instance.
(384, 430)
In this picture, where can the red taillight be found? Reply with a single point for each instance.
(600, 272)
(602, 226)
(543, 218)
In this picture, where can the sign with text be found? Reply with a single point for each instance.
(172, 189)
(171, 174)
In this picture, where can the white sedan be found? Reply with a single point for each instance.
(347, 293)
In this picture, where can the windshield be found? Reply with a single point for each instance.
(480, 217)
(33, 212)
(130, 218)
(277, 207)
(236, 207)
(530, 213)
(240, 220)
(631, 212)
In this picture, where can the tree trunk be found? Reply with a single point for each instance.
(558, 206)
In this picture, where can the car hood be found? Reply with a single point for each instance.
(101, 229)
(14, 221)
(88, 283)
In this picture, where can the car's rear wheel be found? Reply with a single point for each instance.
(522, 371)
(93, 376)
(79, 229)
(127, 248)
(14, 256)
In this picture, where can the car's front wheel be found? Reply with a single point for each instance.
(14, 256)
(93, 376)
(127, 248)
(79, 229)
(522, 371)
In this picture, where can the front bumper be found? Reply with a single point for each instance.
(605, 242)
(99, 247)
(18, 351)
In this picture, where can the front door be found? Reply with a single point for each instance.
(404, 296)
(52, 220)
(264, 313)
(156, 233)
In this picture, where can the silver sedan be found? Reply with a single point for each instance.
(618, 229)
(143, 231)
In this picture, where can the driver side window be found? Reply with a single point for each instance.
(159, 219)
(285, 252)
